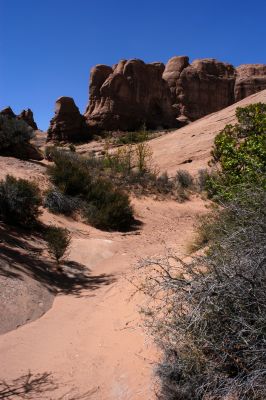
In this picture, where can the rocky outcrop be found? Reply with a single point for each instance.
(250, 79)
(8, 112)
(15, 137)
(129, 95)
(199, 88)
(67, 124)
(27, 116)
(132, 93)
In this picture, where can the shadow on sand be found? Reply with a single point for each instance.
(38, 386)
(21, 253)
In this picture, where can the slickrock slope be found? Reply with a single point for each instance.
(189, 147)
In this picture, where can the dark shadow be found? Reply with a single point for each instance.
(20, 253)
(38, 386)
(27, 386)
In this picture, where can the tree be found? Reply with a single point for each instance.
(58, 242)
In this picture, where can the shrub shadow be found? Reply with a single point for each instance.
(19, 255)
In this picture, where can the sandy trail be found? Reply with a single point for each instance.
(94, 342)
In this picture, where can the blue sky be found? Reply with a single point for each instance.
(48, 47)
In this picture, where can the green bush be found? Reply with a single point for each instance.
(208, 316)
(14, 132)
(69, 173)
(108, 208)
(240, 151)
(58, 242)
(102, 204)
(19, 201)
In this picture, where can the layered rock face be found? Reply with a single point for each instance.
(67, 124)
(250, 79)
(129, 95)
(199, 88)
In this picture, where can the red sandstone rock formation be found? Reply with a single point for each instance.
(27, 116)
(129, 95)
(200, 88)
(67, 124)
(250, 79)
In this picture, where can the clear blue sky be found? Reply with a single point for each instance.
(47, 47)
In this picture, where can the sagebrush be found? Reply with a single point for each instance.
(208, 316)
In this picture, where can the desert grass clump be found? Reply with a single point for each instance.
(208, 316)
(59, 203)
(184, 179)
(19, 201)
(58, 242)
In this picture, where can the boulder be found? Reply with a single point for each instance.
(129, 95)
(68, 124)
(27, 116)
(250, 79)
(199, 88)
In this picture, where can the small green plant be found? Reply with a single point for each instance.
(58, 242)
(19, 201)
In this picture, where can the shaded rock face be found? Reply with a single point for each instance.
(200, 88)
(8, 112)
(67, 124)
(129, 95)
(250, 79)
(27, 116)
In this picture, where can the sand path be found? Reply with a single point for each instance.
(94, 341)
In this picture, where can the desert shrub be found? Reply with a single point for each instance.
(19, 201)
(49, 152)
(59, 203)
(129, 158)
(164, 184)
(58, 242)
(134, 137)
(122, 160)
(184, 179)
(72, 147)
(14, 132)
(108, 207)
(240, 152)
(202, 179)
(208, 315)
(69, 173)
(80, 179)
